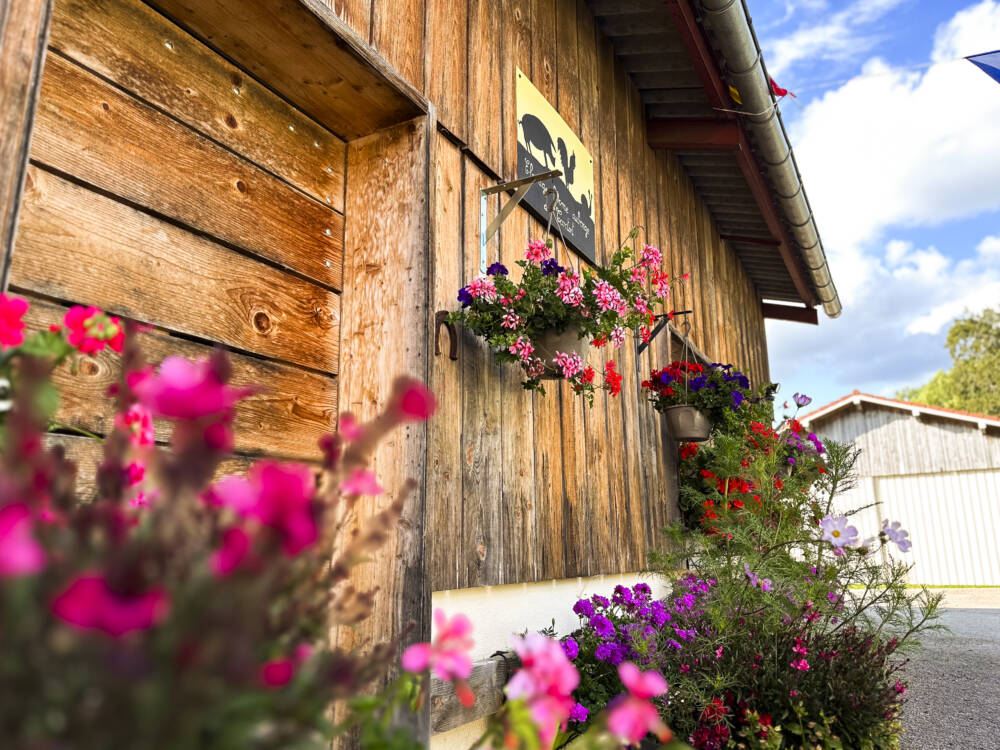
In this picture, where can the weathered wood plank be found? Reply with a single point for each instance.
(129, 43)
(515, 52)
(83, 247)
(355, 13)
(543, 48)
(98, 134)
(484, 127)
(620, 551)
(287, 418)
(567, 73)
(309, 55)
(487, 682)
(444, 432)
(87, 453)
(517, 439)
(481, 536)
(398, 33)
(385, 334)
(446, 63)
(24, 29)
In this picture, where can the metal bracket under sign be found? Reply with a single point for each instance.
(664, 322)
(523, 185)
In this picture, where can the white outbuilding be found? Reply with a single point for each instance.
(935, 470)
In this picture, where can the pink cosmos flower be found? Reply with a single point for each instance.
(137, 423)
(618, 336)
(511, 320)
(537, 251)
(88, 603)
(417, 404)
(571, 364)
(522, 348)
(483, 287)
(447, 655)
(235, 546)
(801, 664)
(90, 329)
(651, 256)
(185, 390)
(837, 532)
(12, 309)
(632, 716)
(278, 495)
(361, 482)
(545, 683)
(897, 534)
(20, 552)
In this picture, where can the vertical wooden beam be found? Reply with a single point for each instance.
(484, 126)
(24, 32)
(446, 64)
(384, 331)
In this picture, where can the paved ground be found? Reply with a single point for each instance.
(954, 696)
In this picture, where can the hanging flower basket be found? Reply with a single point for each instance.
(545, 320)
(687, 424)
(549, 344)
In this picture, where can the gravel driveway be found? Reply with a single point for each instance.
(954, 694)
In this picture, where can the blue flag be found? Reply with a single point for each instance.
(988, 62)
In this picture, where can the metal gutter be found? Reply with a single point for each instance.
(732, 28)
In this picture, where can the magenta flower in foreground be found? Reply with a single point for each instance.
(447, 655)
(545, 682)
(632, 716)
(12, 309)
(88, 603)
(20, 552)
(361, 482)
(279, 495)
(185, 390)
(235, 546)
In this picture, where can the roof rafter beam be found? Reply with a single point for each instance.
(694, 134)
(794, 313)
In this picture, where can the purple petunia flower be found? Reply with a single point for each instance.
(602, 626)
(464, 296)
(584, 608)
(600, 601)
(579, 712)
(497, 269)
(609, 652)
(737, 400)
(551, 268)
(570, 648)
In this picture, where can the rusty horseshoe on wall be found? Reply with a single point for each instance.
(440, 319)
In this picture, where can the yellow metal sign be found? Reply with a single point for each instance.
(546, 142)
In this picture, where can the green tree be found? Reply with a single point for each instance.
(972, 383)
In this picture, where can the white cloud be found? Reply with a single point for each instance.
(989, 247)
(837, 38)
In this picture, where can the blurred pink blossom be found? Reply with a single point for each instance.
(20, 552)
(447, 655)
(185, 390)
(545, 683)
(632, 716)
(89, 603)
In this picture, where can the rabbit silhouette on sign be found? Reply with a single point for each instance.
(568, 162)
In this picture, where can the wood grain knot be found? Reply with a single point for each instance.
(231, 121)
(89, 367)
(262, 322)
(241, 186)
(105, 106)
(481, 551)
(237, 79)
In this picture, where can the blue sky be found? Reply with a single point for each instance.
(899, 148)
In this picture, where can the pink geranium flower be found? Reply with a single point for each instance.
(279, 495)
(651, 256)
(88, 603)
(12, 309)
(570, 364)
(545, 683)
(522, 348)
(537, 251)
(185, 390)
(447, 655)
(20, 552)
(90, 329)
(632, 716)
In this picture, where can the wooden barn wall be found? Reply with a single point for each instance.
(894, 442)
(523, 487)
(167, 185)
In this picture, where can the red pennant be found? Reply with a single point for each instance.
(780, 92)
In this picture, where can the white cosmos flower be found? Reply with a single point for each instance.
(837, 532)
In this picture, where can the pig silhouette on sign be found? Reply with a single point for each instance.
(537, 135)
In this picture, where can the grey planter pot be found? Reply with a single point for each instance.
(550, 342)
(687, 424)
